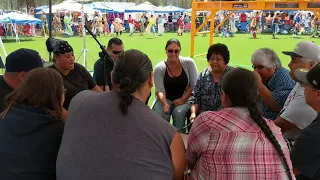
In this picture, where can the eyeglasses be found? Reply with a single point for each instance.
(171, 51)
(116, 52)
(215, 59)
(259, 67)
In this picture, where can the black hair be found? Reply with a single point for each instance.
(115, 41)
(219, 49)
(173, 40)
(241, 86)
(130, 71)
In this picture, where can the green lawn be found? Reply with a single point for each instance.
(241, 47)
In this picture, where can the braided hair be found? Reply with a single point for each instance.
(246, 96)
(130, 71)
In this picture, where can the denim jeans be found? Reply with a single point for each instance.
(178, 114)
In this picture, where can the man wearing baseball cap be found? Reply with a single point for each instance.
(305, 154)
(18, 63)
(296, 114)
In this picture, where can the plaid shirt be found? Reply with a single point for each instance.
(229, 145)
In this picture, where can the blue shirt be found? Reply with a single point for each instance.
(280, 85)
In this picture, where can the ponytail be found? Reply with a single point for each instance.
(257, 117)
(127, 87)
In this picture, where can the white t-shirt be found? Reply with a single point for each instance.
(296, 111)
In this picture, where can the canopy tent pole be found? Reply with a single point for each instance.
(50, 27)
(5, 55)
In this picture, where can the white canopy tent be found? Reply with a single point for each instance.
(169, 9)
(144, 7)
(69, 6)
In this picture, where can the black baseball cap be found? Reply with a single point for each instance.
(23, 60)
(310, 77)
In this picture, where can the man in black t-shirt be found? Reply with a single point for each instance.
(18, 63)
(305, 154)
(115, 47)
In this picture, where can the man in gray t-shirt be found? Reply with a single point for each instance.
(100, 143)
(296, 114)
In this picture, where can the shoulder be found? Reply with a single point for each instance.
(160, 66)
(205, 72)
(229, 68)
(80, 68)
(187, 61)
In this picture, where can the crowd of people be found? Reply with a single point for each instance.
(59, 122)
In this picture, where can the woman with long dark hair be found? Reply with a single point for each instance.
(75, 77)
(31, 127)
(115, 135)
(236, 142)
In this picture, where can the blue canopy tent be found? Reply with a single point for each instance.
(100, 7)
(38, 9)
(16, 18)
(169, 9)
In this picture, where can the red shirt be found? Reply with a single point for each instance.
(228, 145)
(130, 20)
(243, 18)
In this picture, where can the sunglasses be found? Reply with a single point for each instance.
(259, 67)
(116, 52)
(171, 51)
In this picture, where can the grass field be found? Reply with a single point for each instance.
(241, 47)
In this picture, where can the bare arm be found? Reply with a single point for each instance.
(266, 95)
(178, 156)
(284, 124)
(162, 97)
(96, 89)
(187, 94)
(106, 88)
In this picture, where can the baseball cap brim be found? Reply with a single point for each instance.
(289, 53)
(301, 75)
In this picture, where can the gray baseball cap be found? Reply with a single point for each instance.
(305, 49)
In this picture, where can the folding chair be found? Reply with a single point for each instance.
(27, 31)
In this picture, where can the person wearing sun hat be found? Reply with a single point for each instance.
(305, 154)
(296, 114)
(75, 77)
(18, 63)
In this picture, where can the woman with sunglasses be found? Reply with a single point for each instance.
(206, 93)
(75, 77)
(174, 79)
(31, 127)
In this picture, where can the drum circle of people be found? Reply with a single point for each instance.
(258, 124)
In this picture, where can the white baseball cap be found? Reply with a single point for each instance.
(305, 49)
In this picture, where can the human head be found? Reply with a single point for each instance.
(21, 61)
(151, 15)
(42, 88)
(305, 55)
(173, 48)
(240, 89)
(62, 53)
(218, 57)
(114, 48)
(311, 80)
(129, 15)
(265, 61)
(133, 73)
